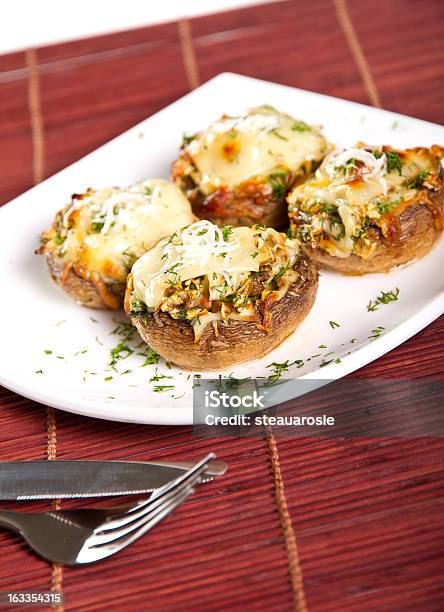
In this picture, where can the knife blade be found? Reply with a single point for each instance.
(26, 480)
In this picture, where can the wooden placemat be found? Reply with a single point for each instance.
(317, 524)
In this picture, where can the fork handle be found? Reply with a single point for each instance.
(10, 520)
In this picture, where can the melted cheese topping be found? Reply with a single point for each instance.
(223, 255)
(264, 140)
(200, 250)
(357, 185)
(109, 229)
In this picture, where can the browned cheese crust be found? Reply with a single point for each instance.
(231, 343)
(252, 202)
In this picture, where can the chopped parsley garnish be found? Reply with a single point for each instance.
(255, 254)
(281, 272)
(279, 368)
(386, 207)
(162, 388)
(349, 167)
(148, 191)
(156, 377)
(93, 320)
(275, 132)
(278, 182)
(82, 351)
(393, 162)
(330, 209)
(333, 324)
(325, 363)
(202, 232)
(376, 332)
(138, 307)
(300, 126)
(121, 351)
(108, 378)
(187, 139)
(97, 226)
(226, 233)
(419, 180)
(48, 352)
(151, 357)
(385, 297)
(172, 269)
(39, 372)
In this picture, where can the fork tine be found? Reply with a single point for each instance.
(90, 553)
(185, 476)
(107, 537)
(168, 491)
(105, 534)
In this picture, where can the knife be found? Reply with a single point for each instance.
(25, 480)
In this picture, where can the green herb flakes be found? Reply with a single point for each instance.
(385, 297)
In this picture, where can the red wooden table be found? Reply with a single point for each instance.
(317, 524)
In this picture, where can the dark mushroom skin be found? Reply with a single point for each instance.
(234, 342)
(403, 233)
(239, 171)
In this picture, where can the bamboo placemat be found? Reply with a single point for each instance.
(328, 525)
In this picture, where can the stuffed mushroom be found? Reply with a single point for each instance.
(239, 170)
(369, 209)
(208, 297)
(94, 240)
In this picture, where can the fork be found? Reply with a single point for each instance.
(75, 537)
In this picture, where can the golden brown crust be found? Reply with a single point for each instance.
(89, 291)
(236, 341)
(249, 203)
(419, 228)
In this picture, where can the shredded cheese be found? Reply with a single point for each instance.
(374, 168)
(201, 249)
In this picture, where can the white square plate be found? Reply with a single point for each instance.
(57, 353)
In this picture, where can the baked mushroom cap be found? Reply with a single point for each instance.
(239, 170)
(210, 297)
(370, 209)
(94, 240)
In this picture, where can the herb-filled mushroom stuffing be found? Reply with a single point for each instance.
(368, 209)
(209, 297)
(240, 169)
